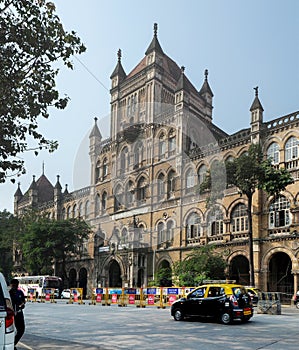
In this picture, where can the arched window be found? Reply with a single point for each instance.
(215, 222)
(171, 142)
(273, 153)
(279, 212)
(104, 201)
(201, 174)
(189, 180)
(74, 213)
(162, 146)
(97, 172)
(124, 236)
(291, 152)
(193, 226)
(161, 186)
(80, 210)
(161, 233)
(129, 193)
(138, 154)
(170, 231)
(97, 204)
(105, 167)
(87, 209)
(124, 160)
(68, 212)
(141, 189)
(171, 184)
(239, 218)
(118, 198)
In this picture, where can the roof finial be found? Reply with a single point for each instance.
(33, 178)
(95, 120)
(43, 168)
(182, 69)
(155, 29)
(119, 55)
(256, 91)
(206, 74)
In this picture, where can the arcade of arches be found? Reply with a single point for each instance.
(278, 271)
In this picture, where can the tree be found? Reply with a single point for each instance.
(202, 263)
(32, 40)
(46, 242)
(8, 234)
(248, 173)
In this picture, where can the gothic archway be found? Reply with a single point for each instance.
(140, 278)
(280, 274)
(239, 270)
(72, 278)
(164, 274)
(115, 279)
(83, 280)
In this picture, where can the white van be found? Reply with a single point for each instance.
(7, 328)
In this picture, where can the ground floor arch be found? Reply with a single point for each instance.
(72, 278)
(83, 280)
(115, 279)
(239, 269)
(280, 277)
(164, 273)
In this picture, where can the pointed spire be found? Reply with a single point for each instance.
(118, 70)
(95, 132)
(33, 185)
(58, 186)
(182, 82)
(66, 190)
(43, 168)
(205, 86)
(18, 193)
(256, 104)
(155, 45)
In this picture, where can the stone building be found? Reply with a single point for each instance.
(143, 203)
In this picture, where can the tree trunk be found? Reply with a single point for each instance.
(250, 241)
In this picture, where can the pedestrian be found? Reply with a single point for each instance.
(18, 303)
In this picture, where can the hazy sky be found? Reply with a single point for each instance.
(243, 44)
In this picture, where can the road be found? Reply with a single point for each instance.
(93, 327)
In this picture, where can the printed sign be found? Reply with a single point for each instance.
(151, 299)
(131, 299)
(172, 299)
(114, 298)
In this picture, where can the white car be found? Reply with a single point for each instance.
(7, 328)
(66, 293)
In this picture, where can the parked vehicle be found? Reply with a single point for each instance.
(7, 328)
(254, 294)
(66, 293)
(221, 301)
(296, 299)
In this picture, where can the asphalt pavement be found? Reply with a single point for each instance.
(92, 327)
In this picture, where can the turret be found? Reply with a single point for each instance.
(17, 196)
(207, 94)
(95, 139)
(256, 110)
(182, 91)
(33, 193)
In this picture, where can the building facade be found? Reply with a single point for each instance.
(143, 202)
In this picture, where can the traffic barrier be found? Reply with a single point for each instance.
(106, 301)
(269, 303)
(74, 298)
(31, 295)
(97, 296)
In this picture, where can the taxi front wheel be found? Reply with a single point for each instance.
(178, 315)
(225, 318)
(297, 304)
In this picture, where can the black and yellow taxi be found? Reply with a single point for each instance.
(224, 302)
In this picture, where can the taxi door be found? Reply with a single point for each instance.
(194, 303)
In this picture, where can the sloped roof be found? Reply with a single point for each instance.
(45, 189)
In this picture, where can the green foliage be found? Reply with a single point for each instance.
(32, 40)
(162, 277)
(45, 241)
(202, 263)
(9, 229)
(247, 172)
